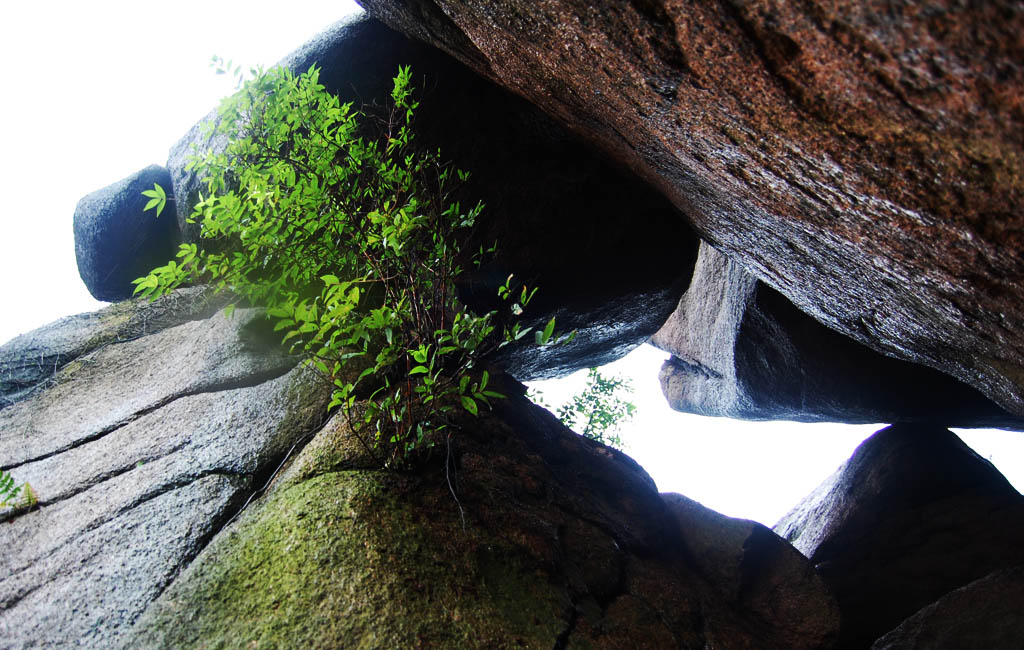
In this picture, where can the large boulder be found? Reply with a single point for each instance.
(30, 362)
(115, 241)
(758, 572)
(610, 256)
(516, 533)
(150, 458)
(741, 350)
(984, 615)
(913, 514)
(138, 453)
(866, 160)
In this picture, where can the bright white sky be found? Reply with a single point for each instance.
(95, 91)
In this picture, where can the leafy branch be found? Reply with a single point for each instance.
(599, 410)
(350, 236)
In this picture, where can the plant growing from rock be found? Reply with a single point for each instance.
(349, 236)
(15, 496)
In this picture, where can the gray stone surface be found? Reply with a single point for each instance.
(984, 615)
(116, 242)
(30, 361)
(912, 515)
(115, 384)
(137, 458)
(742, 350)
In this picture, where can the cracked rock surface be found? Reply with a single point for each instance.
(138, 452)
(29, 363)
(552, 541)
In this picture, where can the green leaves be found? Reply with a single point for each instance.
(349, 236)
(544, 337)
(600, 408)
(158, 199)
(469, 404)
(15, 496)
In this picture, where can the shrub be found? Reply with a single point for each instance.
(597, 411)
(349, 235)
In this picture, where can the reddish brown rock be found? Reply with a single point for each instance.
(865, 159)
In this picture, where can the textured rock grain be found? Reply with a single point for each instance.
(137, 457)
(115, 384)
(550, 541)
(865, 159)
(31, 361)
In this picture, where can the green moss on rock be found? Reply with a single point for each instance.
(357, 559)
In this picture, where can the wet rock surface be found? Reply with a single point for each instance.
(550, 541)
(137, 456)
(115, 241)
(913, 514)
(610, 256)
(863, 159)
(741, 350)
(981, 616)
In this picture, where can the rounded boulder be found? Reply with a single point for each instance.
(116, 241)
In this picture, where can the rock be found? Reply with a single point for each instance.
(30, 362)
(116, 242)
(610, 256)
(138, 457)
(981, 616)
(520, 534)
(758, 572)
(741, 350)
(912, 515)
(863, 160)
(110, 387)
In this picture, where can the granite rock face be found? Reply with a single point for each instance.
(521, 534)
(31, 361)
(150, 456)
(138, 452)
(115, 241)
(610, 255)
(911, 516)
(741, 350)
(981, 616)
(864, 159)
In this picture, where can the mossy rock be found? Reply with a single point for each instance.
(356, 559)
